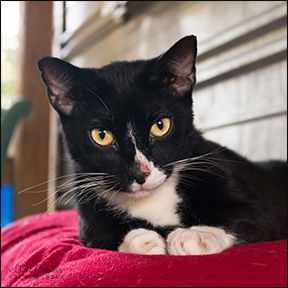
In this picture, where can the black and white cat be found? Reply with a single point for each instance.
(148, 182)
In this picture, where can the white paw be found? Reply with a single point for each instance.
(143, 241)
(199, 240)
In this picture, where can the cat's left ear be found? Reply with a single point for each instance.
(176, 67)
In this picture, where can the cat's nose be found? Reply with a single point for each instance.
(139, 174)
(140, 177)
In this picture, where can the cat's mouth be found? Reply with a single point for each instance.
(150, 186)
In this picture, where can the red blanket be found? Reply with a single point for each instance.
(43, 250)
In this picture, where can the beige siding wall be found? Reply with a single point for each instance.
(241, 96)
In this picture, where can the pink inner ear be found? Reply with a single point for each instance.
(183, 65)
(59, 77)
(62, 103)
(184, 84)
(179, 61)
(55, 86)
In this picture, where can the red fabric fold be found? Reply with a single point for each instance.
(43, 250)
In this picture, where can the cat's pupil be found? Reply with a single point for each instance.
(160, 124)
(102, 134)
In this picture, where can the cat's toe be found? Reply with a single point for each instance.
(143, 241)
(198, 240)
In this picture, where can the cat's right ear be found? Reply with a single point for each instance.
(59, 78)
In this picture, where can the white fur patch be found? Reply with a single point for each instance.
(155, 200)
(155, 179)
(158, 207)
(199, 240)
(142, 241)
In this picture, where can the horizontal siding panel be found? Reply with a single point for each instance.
(273, 17)
(253, 52)
(257, 140)
(152, 31)
(78, 13)
(251, 95)
(241, 110)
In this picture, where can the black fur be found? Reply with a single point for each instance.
(245, 198)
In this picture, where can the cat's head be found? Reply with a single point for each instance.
(127, 120)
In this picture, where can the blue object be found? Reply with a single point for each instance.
(6, 205)
(9, 119)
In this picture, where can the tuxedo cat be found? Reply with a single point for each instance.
(146, 179)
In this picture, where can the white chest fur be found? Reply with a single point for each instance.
(159, 208)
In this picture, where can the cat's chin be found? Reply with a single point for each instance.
(140, 194)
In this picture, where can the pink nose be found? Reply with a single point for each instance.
(145, 169)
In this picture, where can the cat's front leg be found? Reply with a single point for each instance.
(199, 240)
(143, 241)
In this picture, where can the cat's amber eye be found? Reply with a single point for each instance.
(160, 127)
(102, 137)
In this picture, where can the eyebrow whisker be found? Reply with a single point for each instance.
(98, 97)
